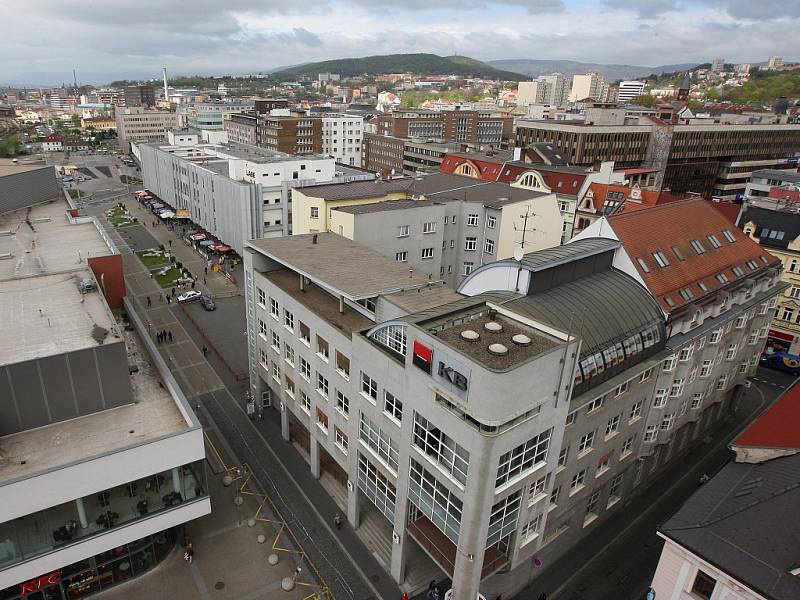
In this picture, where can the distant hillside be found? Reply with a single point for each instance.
(424, 64)
(764, 86)
(611, 73)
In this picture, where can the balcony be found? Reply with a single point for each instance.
(443, 551)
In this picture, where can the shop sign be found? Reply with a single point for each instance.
(40, 583)
(452, 374)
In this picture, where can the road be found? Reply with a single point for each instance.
(618, 559)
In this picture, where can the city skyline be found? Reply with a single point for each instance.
(247, 36)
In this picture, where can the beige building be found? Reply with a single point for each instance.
(138, 124)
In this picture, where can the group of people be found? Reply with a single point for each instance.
(164, 335)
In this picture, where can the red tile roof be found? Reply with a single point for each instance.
(675, 225)
(778, 426)
(647, 198)
(729, 210)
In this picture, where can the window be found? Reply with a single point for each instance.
(322, 386)
(342, 365)
(537, 489)
(636, 411)
(586, 443)
(305, 369)
(678, 253)
(452, 244)
(554, 497)
(491, 222)
(393, 337)
(737, 270)
(341, 439)
(273, 308)
(650, 433)
(305, 333)
(368, 303)
(288, 320)
(305, 403)
(288, 353)
(721, 382)
(563, 456)
(401, 256)
(453, 220)
(595, 404)
(615, 489)
(698, 247)
(470, 243)
(721, 277)
(403, 231)
(262, 298)
(314, 210)
(612, 427)
(379, 441)
(703, 585)
(468, 268)
(323, 350)
(571, 418)
(591, 507)
(715, 336)
(439, 447)
(376, 487)
(729, 235)
(730, 353)
(392, 406)
(686, 353)
(369, 387)
(322, 421)
(687, 294)
(342, 403)
(661, 259)
(488, 246)
(712, 239)
(646, 375)
(668, 422)
(669, 363)
(262, 329)
(427, 253)
(531, 530)
(276, 342)
(578, 481)
(677, 388)
(603, 465)
(429, 227)
(472, 220)
(503, 519)
(276, 372)
(627, 447)
(523, 458)
(643, 264)
(435, 501)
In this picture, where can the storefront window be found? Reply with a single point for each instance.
(67, 523)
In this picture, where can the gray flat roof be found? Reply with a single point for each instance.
(8, 167)
(446, 186)
(787, 175)
(742, 521)
(357, 189)
(360, 209)
(154, 414)
(550, 257)
(413, 301)
(340, 264)
(53, 245)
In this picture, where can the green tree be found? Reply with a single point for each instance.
(646, 100)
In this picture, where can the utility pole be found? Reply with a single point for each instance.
(528, 214)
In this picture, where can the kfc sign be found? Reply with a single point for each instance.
(34, 585)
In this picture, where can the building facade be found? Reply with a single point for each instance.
(212, 115)
(138, 124)
(290, 132)
(629, 90)
(139, 95)
(343, 137)
(464, 126)
(420, 400)
(242, 128)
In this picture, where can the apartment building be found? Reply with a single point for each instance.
(414, 404)
(138, 124)
(343, 137)
(465, 126)
(390, 156)
(242, 128)
(591, 85)
(762, 181)
(233, 191)
(457, 226)
(550, 90)
(707, 159)
(732, 538)
(290, 132)
(103, 458)
(139, 95)
(777, 229)
(628, 90)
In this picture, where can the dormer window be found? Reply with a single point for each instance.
(712, 239)
(698, 247)
(661, 259)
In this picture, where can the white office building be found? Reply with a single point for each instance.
(343, 137)
(629, 90)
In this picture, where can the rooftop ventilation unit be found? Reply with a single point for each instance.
(521, 340)
(493, 327)
(470, 335)
(498, 349)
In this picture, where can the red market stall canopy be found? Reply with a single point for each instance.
(197, 237)
(220, 247)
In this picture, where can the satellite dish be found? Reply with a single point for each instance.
(518, 253)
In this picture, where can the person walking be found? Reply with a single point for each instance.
(204, 281)
(205, 351)
(169, 300)
(189, 553)
(173, 292)
(431, 588)
(337, 520)
(158, 337)
(170, 243)
(169, 335)
(205, 270)
(149, 303)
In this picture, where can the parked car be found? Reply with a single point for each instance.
(207, 302)
(189, 296)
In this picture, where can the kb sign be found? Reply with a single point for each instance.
(454, 377)
(452, 374)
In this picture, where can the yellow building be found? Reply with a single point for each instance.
(778, 230)
(99, 123)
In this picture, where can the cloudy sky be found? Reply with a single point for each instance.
(43, 40)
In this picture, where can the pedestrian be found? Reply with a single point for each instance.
(189, 554)
(173, 292)
(149, 302)
(169, 335)
(158, 337)
(542, 596)
(170, 243)
(337, 520)
(169, 300)
(205, 270)
(431, 588)
(205, 351)
(204, 281)
(192, 283)
(437, 593)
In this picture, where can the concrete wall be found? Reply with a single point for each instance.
(47, 390)
(543, 228)
(20, 190)
(303, 200)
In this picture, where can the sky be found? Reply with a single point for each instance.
(105, 40)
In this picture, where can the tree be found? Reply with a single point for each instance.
(646, 100)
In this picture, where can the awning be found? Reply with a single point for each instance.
(166, 214)
(220, 247)
(786, 337)
(157, 205)
(182, 213)
(207, 243)
(198, 236)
